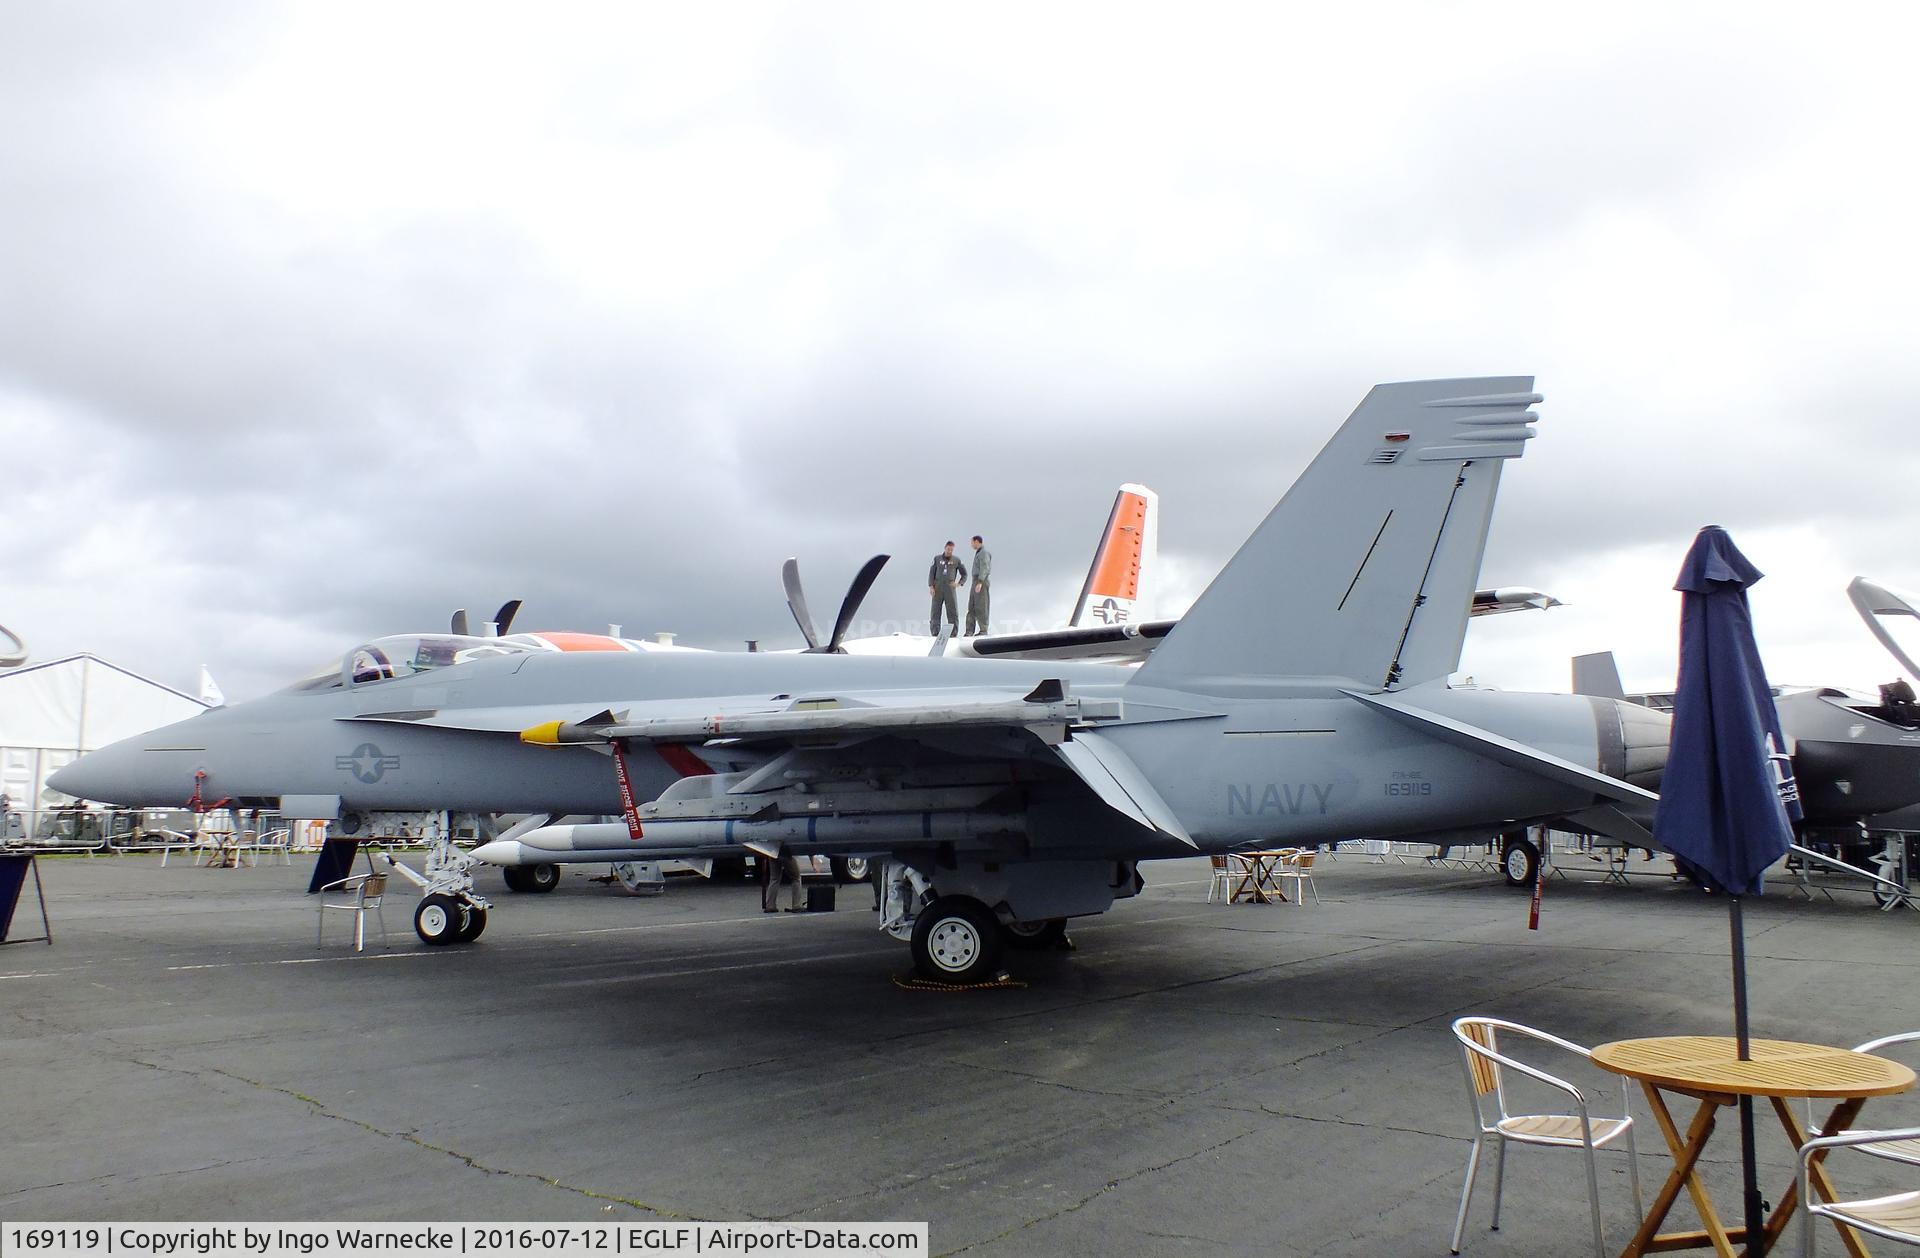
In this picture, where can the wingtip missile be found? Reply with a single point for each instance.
(545, 734)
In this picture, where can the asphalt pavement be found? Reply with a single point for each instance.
(1193, 1078)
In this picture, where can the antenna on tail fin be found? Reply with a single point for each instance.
(1365, 571)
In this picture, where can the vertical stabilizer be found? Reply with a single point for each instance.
(1365, 571)
(1118, 588)
(1598, 676)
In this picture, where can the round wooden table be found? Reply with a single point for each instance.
(1707, 1068)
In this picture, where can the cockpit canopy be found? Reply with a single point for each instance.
(404, 655)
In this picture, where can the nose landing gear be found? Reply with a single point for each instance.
(449, 912)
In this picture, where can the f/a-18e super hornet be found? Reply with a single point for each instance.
(1302, 699)
(357, 782)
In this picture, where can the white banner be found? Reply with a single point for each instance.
(455, 1240)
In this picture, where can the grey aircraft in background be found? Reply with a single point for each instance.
(1856, 757)
(1302, 699)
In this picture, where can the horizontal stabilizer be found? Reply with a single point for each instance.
(1506, 751)
(1615, 824)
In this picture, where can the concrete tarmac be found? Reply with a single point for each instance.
(1195, 1078)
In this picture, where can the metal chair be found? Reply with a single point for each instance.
(355, 895)
(272, 843)
(1906, 1152)
(1895, 1217)
(1219, 880)
(1486, 1068)
(1297, 868)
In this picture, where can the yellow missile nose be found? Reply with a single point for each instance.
(546, 734)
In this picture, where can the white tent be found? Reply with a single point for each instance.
(51, 712)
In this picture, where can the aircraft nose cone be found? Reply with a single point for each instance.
(83, 779)
(129, 773)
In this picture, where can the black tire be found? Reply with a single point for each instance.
(1519, 860)
(1037, 936)
(472, 925)
(956, 940)
(532, 879)
(851, 869)
(439, 919)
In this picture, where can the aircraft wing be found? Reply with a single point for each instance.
(1510, 598)
(863, 715)
(1134, 641)
(969, 727)
(1105, 642)
(1506, 751)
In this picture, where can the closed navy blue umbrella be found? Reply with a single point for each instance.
(1727, 798)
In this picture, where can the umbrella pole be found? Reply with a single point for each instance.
(1749, 1164)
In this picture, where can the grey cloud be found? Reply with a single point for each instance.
(930, 290)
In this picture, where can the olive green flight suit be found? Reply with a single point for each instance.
(979, 600)
(946, 576)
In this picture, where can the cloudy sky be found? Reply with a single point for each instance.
(318, 321)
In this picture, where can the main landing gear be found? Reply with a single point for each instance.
(1038, 936)
(1519, 858)
(532, 878)
(851, 869)
(959, 921)
(956, 940)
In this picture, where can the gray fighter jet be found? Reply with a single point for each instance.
(1302, 699)
(1856, 757)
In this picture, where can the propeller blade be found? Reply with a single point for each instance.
(856, 594)
(459, 626)
(504, 617)
(797, 603)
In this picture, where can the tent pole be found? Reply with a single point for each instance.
(1749, 1164)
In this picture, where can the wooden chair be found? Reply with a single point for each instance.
(1486, 1068)
(355, 894)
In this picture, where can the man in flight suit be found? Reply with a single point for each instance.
(978, 600)
(946, 575)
